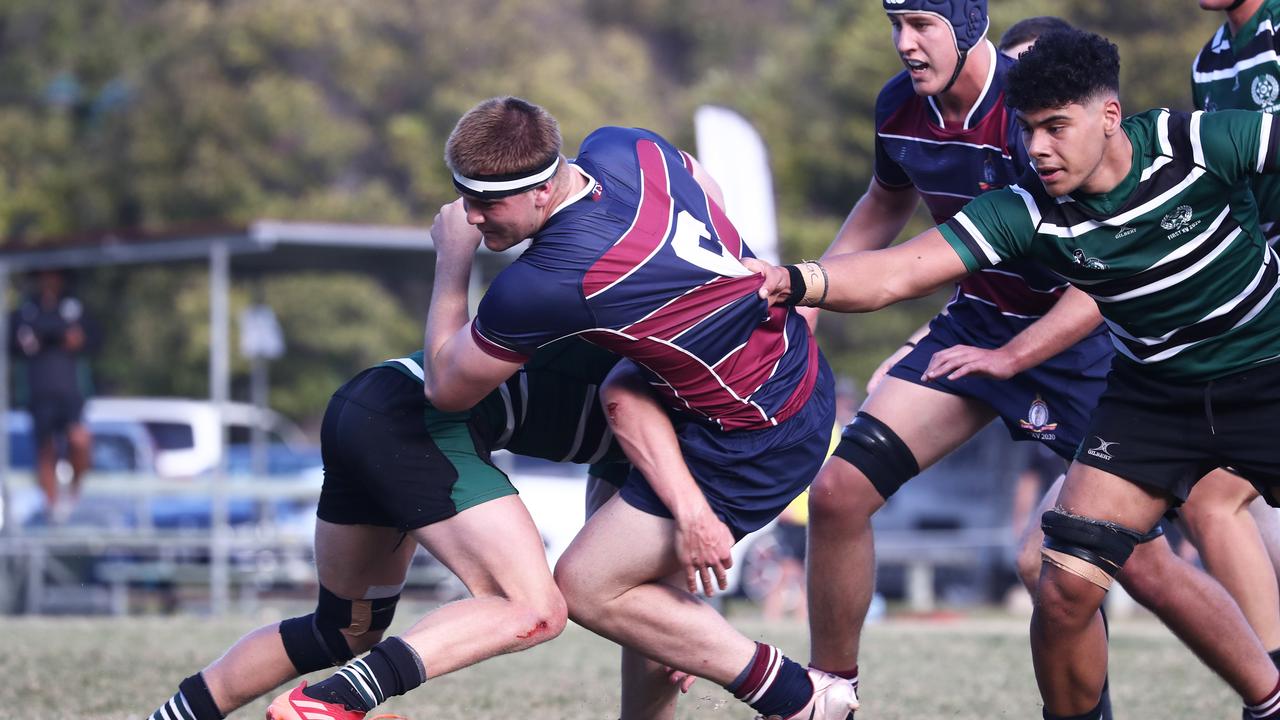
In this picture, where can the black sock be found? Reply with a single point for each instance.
(391, 668)
(1275, 657)
(192, 702)
(1094, 714)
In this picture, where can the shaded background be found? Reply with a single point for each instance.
(143, 115)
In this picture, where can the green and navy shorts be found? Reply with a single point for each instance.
(390, 459)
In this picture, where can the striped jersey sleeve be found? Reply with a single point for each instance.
(1236, 144)
(992, 228)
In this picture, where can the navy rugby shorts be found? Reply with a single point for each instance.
(750, 476)
(1050, 403)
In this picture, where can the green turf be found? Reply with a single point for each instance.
(959, 668)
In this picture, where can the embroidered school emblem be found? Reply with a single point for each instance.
(1265, 89)
(1176, 219)
(1089, 263)
(1037, 420)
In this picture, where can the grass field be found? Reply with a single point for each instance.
(963, 668)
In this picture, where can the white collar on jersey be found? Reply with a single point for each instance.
(591, 185)
(986, 88)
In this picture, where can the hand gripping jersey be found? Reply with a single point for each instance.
(1173, 255)
(1242, 72)
(644, 264)
(949, 167)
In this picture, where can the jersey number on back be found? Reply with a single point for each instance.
(686, 241)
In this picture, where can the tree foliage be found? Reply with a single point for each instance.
(157, 113)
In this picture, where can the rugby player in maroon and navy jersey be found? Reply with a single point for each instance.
(630, 253)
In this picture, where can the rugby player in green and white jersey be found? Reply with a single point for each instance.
(1237, 535)
(1238, 69)
(395, 466)
(1152, 216)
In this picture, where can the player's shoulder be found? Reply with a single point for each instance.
(893, 96)
(1216, 53)
(614, 154)
(618, 144)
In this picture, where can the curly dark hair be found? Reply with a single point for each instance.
(1063, 67)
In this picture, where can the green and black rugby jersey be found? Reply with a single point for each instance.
(1241, 71)
(549, 409)
(1173, 255)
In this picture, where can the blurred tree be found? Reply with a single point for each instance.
(157, 113)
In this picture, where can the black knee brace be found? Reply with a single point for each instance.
(872, 447)
(319, 640)
(1092, 549)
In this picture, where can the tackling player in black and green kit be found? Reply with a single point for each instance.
(394, 465)
(1153, 217)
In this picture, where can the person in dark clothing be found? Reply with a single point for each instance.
(52, 335)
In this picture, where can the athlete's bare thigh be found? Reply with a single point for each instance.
(931, 422)
(350, 559)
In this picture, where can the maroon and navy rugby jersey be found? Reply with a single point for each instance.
(949, 166)
(644, 264)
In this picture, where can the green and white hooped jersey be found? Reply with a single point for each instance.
(1242, 72)
(550, 409)
(1173, 255)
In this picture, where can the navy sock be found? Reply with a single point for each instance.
(192, 702)
(772, 683)
(391, 668)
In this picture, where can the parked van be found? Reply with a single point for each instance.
(189, 440)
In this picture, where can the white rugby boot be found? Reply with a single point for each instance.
(834, 698)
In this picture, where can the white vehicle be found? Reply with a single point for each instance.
(188, 434)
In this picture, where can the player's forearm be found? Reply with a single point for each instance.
(1069, 321)
(866, 281)
(648, 438)
(446, 316)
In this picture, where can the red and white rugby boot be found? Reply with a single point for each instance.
(834, 698)
(293, 705)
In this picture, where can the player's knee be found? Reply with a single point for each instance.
(1082, 557)
(541, 618)
(576, 590)
(338, 630)
(1148, 576)
(1029, 560)
(869, 465)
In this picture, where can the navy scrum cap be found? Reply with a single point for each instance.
(968, 18)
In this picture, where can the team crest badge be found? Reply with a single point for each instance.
(1079, 257)
(1176, 219)
(1037, 421)
(1265, 89)
(988, 180)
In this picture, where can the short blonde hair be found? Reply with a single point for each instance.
(500, 136)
